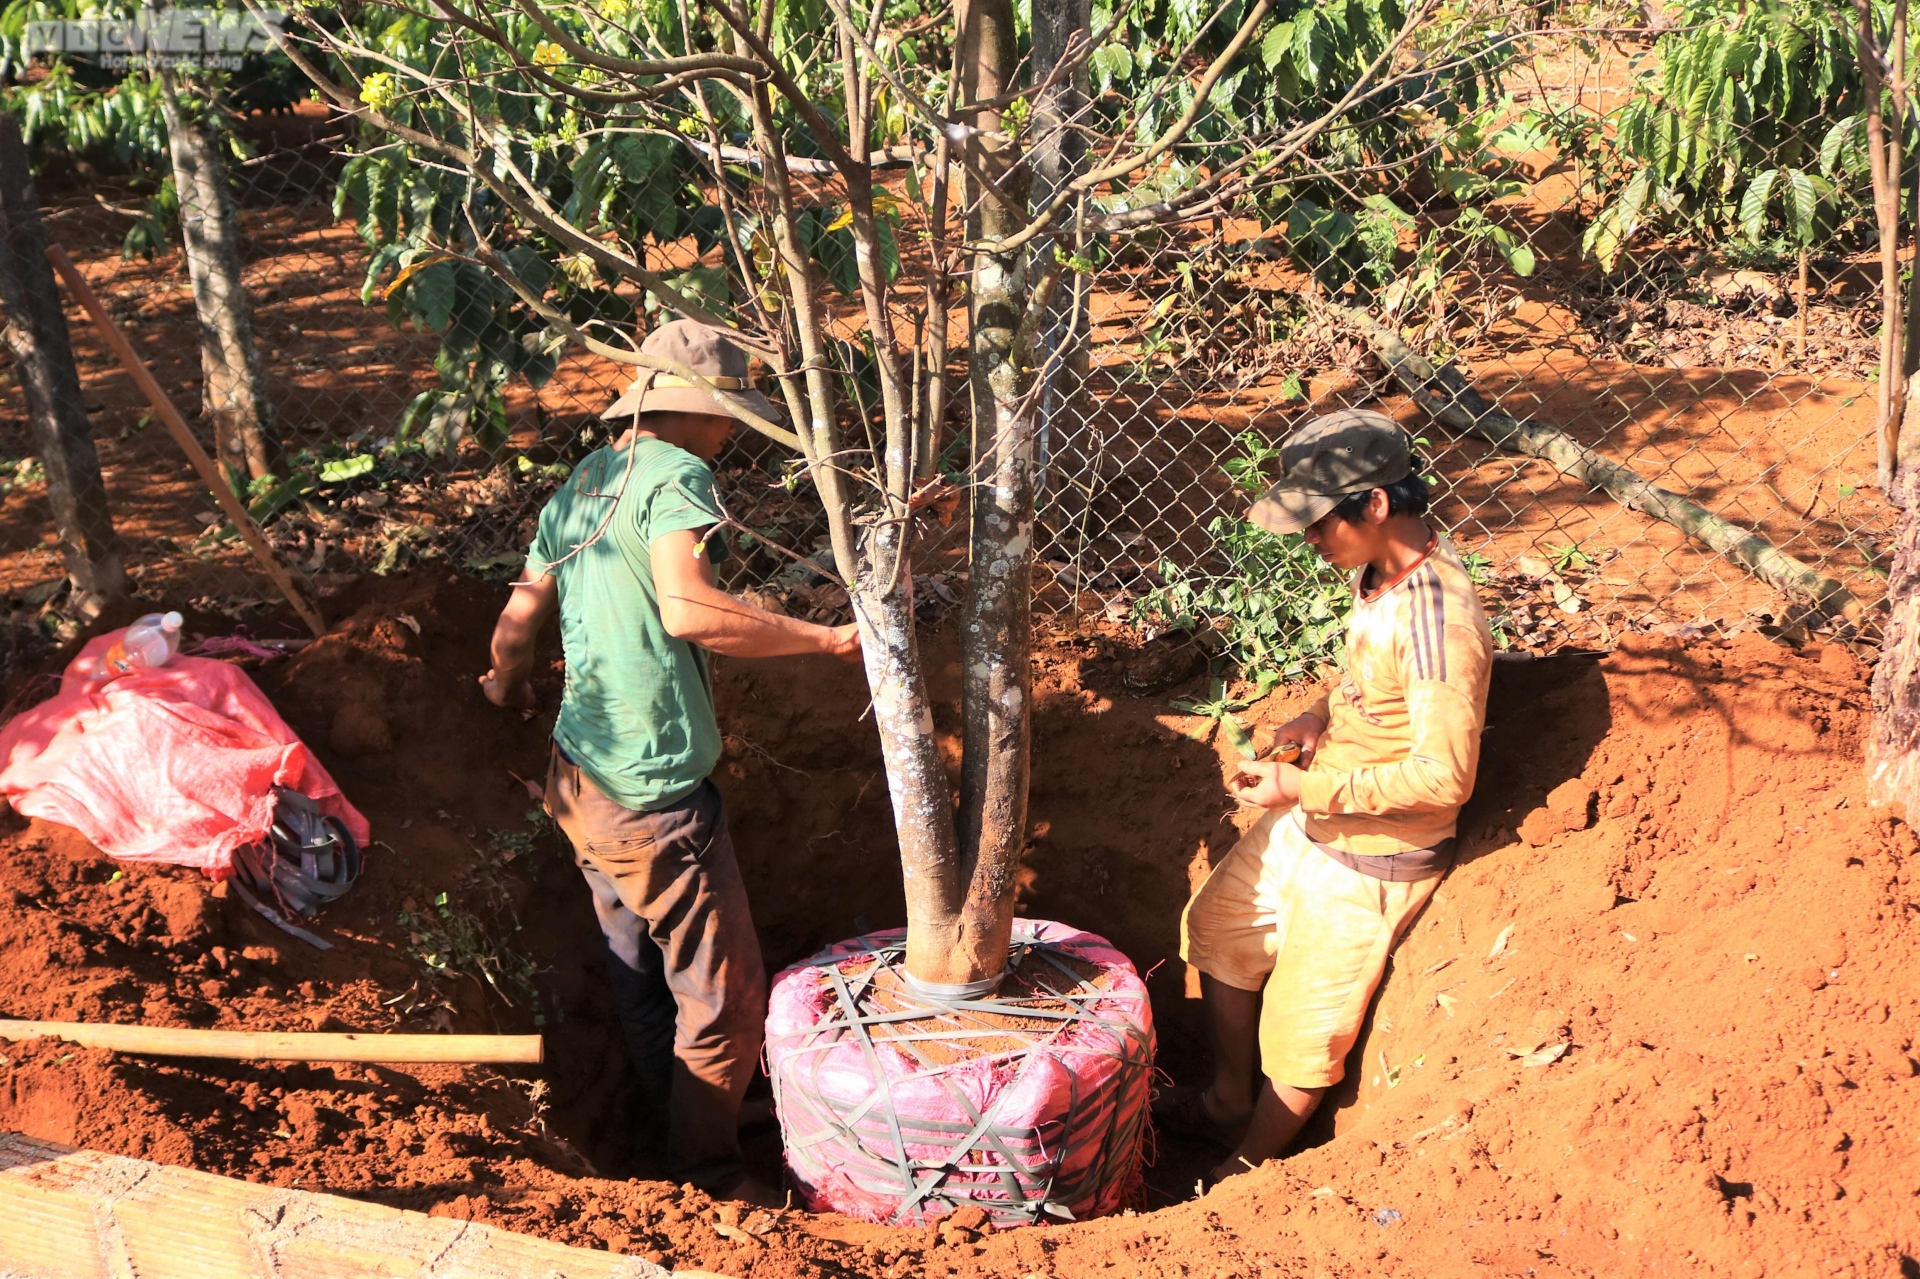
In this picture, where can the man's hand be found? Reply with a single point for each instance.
(1268, 784)
(517, 695)
(1305, 728)
(843, 642)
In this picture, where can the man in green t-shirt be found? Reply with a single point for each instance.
(624, 553)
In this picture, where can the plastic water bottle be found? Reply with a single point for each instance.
(152, 641)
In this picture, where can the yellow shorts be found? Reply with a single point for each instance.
(1280, 916)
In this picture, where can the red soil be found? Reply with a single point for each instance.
(1672, 898)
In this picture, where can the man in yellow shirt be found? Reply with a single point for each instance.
(1292, 930)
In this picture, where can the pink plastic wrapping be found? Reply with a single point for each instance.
(903, 1117)
(175, 764)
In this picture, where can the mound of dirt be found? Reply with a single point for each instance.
(1659, 1015)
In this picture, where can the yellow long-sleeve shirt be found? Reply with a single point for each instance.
(1402, 742)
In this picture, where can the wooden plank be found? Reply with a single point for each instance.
(181, 1222)
(247, 1045)
(75, 1214)
(48, 1225)
(336, 1244)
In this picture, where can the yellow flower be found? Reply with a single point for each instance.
(549, 54)
(378, 91)
(615, 10)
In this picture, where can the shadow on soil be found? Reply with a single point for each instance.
(1544, 719)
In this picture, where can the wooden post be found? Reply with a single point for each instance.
(42, 349)
(183, 436)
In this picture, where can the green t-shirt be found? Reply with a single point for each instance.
(637, 714)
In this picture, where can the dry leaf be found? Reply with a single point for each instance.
(1500, 943)
(535, 791)
(1434, 968)
(407, 620)
(1545, 1056)
(738, 1235)
(1447, 1003)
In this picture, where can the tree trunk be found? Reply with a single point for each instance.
(1069, 453)
(235, 393)
(1883, 156)
(996, 615)
(1893, 744)
(938, 936)
(37, 337)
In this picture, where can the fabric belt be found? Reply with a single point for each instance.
(719, 382)
(1396, 868)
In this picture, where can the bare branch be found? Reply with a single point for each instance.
(484, 256)
(823, 130)
(631, 66)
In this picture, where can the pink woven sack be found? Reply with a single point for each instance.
(1031, 1104)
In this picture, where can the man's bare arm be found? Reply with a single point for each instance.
(692, 608)
(533, 602)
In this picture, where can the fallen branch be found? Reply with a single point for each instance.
(1444, 393)
(247, 1045)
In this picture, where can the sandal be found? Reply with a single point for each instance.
(1183, 1111)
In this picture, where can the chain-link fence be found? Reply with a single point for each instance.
(1733, 372)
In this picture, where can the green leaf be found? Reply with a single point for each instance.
(706, 285)
(1110, 64)
(1843, 138)
(431, 293)
(534, 270)
(1521, 137)
(1805, 191)
(347, 468)
(1610, 232)
(1238, 735)
(1753, 205)
(1273, 48)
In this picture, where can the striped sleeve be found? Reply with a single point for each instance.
(1427, 602)
(1445, 655)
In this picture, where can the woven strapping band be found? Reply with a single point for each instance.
(1020, 1173)
(946, 992)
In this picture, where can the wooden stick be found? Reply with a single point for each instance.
(183, 436)
(1444, 393)
(247, 1045)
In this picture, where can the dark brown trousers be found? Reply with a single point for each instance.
(682, 955)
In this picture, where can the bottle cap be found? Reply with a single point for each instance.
(171, 622)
